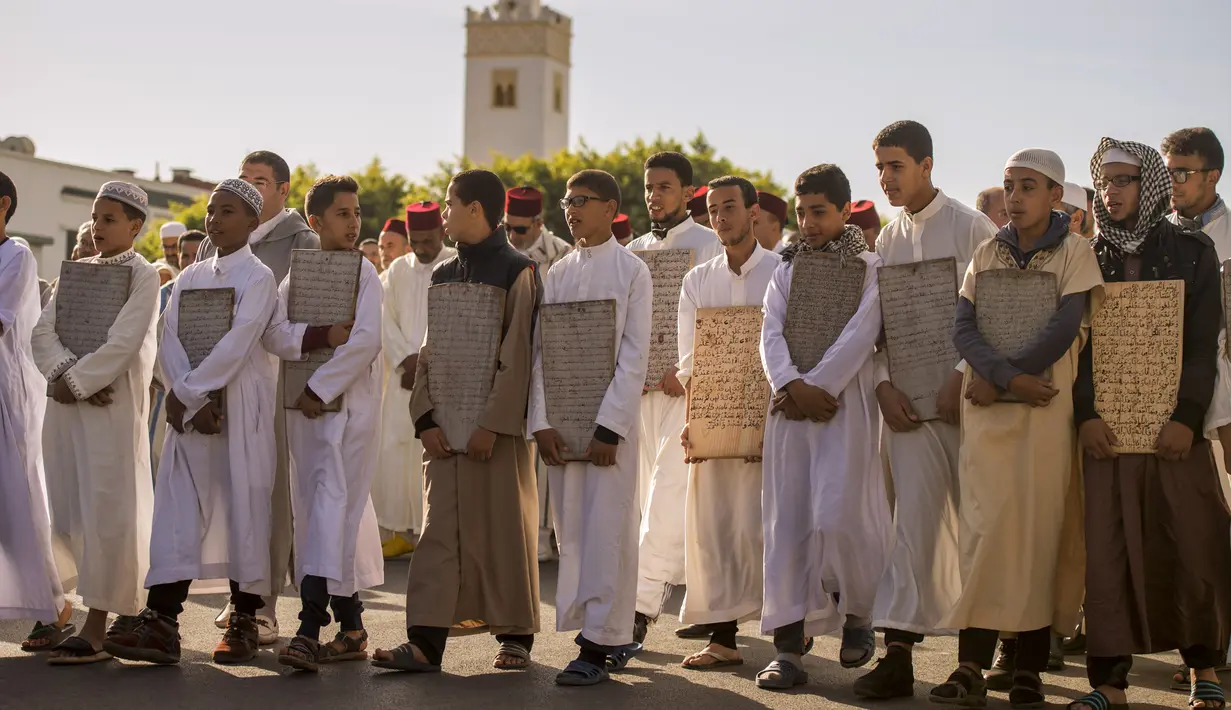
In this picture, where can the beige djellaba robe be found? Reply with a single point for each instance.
(477, 555)
(1020, 527)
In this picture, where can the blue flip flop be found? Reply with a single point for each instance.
(789, 676)
(579, 672)
(620, 657)
(860, 638)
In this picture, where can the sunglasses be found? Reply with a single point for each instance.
(520, 229)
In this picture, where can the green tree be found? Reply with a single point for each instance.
(624, 162)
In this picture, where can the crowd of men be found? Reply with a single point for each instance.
(999, 520)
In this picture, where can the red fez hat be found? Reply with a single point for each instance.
(772, 204)
(620, 227)
(422, 216)
(863, 215)
(523, 202)
(696, 206)
(397, 226)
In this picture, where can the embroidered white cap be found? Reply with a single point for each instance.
(1040, 160)
(1074, 196)
(1119, 155)
(171, 229)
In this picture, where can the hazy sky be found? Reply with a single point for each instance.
(775, 84)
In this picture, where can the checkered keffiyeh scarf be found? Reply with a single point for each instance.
(1155, 196)
(849, 243)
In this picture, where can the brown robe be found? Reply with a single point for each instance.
(477, 557)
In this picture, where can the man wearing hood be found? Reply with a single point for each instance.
(1158, 571)
(281, 231)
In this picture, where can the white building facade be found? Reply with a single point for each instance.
(517, 80)
(54, 198)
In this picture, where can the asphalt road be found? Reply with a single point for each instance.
(653, 680)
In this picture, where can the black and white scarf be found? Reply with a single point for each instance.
(849, 243)
(1155, 196)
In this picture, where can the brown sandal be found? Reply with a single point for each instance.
(344, 648)
(301, 654)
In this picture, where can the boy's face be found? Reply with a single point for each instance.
(463, 223)
(229, 220)
(665, 197)
(113, 231)
(188, 254)
(901, 177)
(1197, 188)
(338, 225)
(591, 220)
(730, 219)
(820, 221)
(768, 229)
(5, 203)
(1027, 197)
(1123, 203)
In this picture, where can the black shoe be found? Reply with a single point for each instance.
(964, 688)
(893, 677)
(1000, 676)
(694, 631)
(641, 626)
(1027, 691)
(1055, 659)
(1075, 646)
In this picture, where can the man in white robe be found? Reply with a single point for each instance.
(95, 440)
(333, 454)
(397, 489)
(662, 473)
(923, 579)
(827, 531)
(595, 500)
(212, 508)
(723, 566)
(30, 586)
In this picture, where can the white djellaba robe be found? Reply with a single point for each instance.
(595, 508)
(923, 579)
(662, 473)
(333, 457)
(212, 506)
(30, 584)
(397, 488)
(1219, 230)
(723, 565)
(98, 458)
(827, 531)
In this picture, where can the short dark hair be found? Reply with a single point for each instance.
(827, 180)
(1089, 194)
(746, 188)
(1196, 141)
(984, 198)
(910, 136)
(324, 190)
(192, 235)
(282, 171)
(485, 187)
(131, 212)
(9, 190)
(599, 182)
(675, 162)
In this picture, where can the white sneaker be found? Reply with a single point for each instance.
(267, 621)
(224, 616)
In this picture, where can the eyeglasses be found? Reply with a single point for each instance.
(520, 229)
(577, 201)
(1180, 175)
(1118, 181)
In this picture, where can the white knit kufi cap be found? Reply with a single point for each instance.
(1040, 160)
(1074, 195)
(243, 191)
(127, 193)
(1119, 155)
(171, 229)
